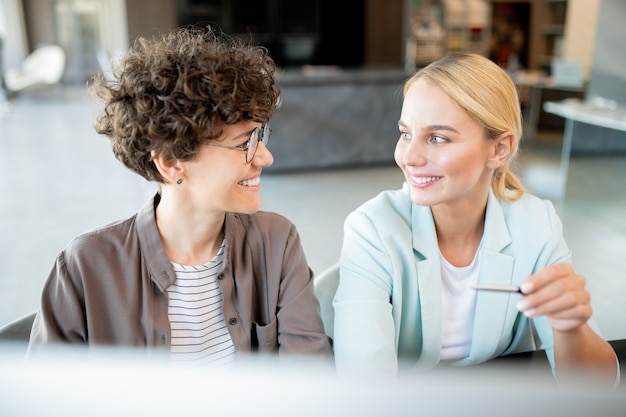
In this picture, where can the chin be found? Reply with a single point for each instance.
(421, 201)
(250, 209)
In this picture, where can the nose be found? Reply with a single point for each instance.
(410, 153)
(263, 157)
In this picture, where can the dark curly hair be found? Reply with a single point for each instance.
(170, 94)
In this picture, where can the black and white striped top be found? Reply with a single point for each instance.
(199, 331)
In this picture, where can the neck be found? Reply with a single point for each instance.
(459, 231)
(189, 237)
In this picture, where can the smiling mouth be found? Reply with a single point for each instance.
(426, 180)
(251, 182)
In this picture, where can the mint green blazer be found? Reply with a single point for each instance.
(387, 307)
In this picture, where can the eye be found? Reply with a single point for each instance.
(405, 136)
(244, 145)
(437, 139)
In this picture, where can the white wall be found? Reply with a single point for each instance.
(580, 32)
(12, 31)
(608, 74)
(114, 27)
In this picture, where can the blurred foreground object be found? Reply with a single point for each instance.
(123, 382)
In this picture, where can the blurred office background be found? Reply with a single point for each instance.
(342, 65)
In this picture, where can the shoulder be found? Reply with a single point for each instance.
(262, 225)
(103, 238)
(387, 212)
(263, 234)
(261, 219)
(530, 221)
(387, 207)
(531, 210)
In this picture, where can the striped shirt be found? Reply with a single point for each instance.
(199, 332)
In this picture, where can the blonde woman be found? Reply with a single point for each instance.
(412, 257)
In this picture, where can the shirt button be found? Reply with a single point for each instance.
(163, 339)
(220, 276)
(232, 321)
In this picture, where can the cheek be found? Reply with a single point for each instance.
(466, 163)
(398, 154)
(449, 162)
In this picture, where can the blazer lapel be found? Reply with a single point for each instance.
(495, 268)
(428, 267)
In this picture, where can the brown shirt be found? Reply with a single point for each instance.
(108, 287)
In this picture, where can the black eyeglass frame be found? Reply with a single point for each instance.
(259, 134)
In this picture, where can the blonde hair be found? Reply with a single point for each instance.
(486, 92)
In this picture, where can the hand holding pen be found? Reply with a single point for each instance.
(557, 292)
(497, 288)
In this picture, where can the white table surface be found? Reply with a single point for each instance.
(596, 111)
(607, 114)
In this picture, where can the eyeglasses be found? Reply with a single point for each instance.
(259, 134)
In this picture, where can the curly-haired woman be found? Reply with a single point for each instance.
(198, 270)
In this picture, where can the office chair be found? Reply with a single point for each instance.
(325, 286)
(18, 330)
(44, 67)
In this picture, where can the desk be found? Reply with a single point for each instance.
(536, 84)
(608, 115)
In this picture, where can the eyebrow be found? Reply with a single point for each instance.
(432, 127)
(243, 135)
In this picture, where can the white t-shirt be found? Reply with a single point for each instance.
(459, 303)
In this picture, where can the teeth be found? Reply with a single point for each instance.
(424, 180)
(251, 183)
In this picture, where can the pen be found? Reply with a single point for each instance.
(500, 288)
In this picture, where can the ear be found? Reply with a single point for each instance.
(171, 169)
(501, 149)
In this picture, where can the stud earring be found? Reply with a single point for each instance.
(179, 181)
